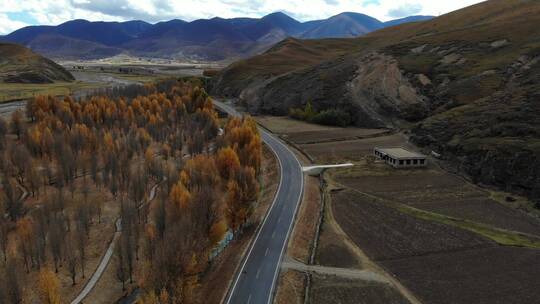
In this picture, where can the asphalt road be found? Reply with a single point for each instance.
(255, 282)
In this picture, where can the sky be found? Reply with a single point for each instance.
(15, 14)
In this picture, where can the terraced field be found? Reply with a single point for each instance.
(340, 290)
(385, 233)
(492, 275)
(439, 235)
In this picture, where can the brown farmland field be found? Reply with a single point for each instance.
(330, 289)
(301, 132)
(385, 233)
(493, 275)
(332, 250)
(436, 191)
(412, 186)
(286, 125)
(307, 137)
(485, 211)
(437, 261)
(351, 149)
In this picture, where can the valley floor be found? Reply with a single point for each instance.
(433, 236)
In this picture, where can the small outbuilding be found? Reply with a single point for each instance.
(400, 157)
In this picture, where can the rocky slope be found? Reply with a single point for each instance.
(466, 85)
(20, 65)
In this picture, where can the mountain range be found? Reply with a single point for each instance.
(205, 39)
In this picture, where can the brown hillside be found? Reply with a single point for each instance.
(20, 65)
(467, 85)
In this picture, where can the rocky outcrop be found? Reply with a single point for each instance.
(380, 88)
(371, 88)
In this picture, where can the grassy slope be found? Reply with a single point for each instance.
(289, 55)
(22, 65)
(485, 22)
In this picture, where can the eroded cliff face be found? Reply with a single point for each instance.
(494, 139)
(371, 88)
(381, 90)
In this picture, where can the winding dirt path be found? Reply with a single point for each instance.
(108, 254)
(365, 275)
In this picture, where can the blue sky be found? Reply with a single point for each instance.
(15, 14)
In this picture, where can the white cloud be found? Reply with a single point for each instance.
(58, 11)
(7, 25)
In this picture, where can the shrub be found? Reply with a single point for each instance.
(330, 117)
(333, 117)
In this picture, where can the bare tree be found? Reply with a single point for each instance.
(4, 237)
(57, 235)
(121, 269)
(12, 283)
(71, 258)
(13, 204)
(3, 133)
(19, 158)
(81, 239)
(17, 123)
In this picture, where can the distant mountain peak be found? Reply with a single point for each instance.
(212, 39)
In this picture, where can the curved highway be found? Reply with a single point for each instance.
(255, 282)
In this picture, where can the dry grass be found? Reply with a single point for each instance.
(15, 91)
(286, 125)
(288, 55)
(329, 289)
(333, 249)
(305, 227)
(290, 288)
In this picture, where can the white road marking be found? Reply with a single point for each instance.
(249, 299)
(273, 234)
(258, 272)
(246, 258)
(291, 224)
(270, 298)
(266, 252)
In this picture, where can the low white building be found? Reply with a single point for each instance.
(400, 157)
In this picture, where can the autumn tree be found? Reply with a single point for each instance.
(227, 162)
(49, 287)
(241, 192)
